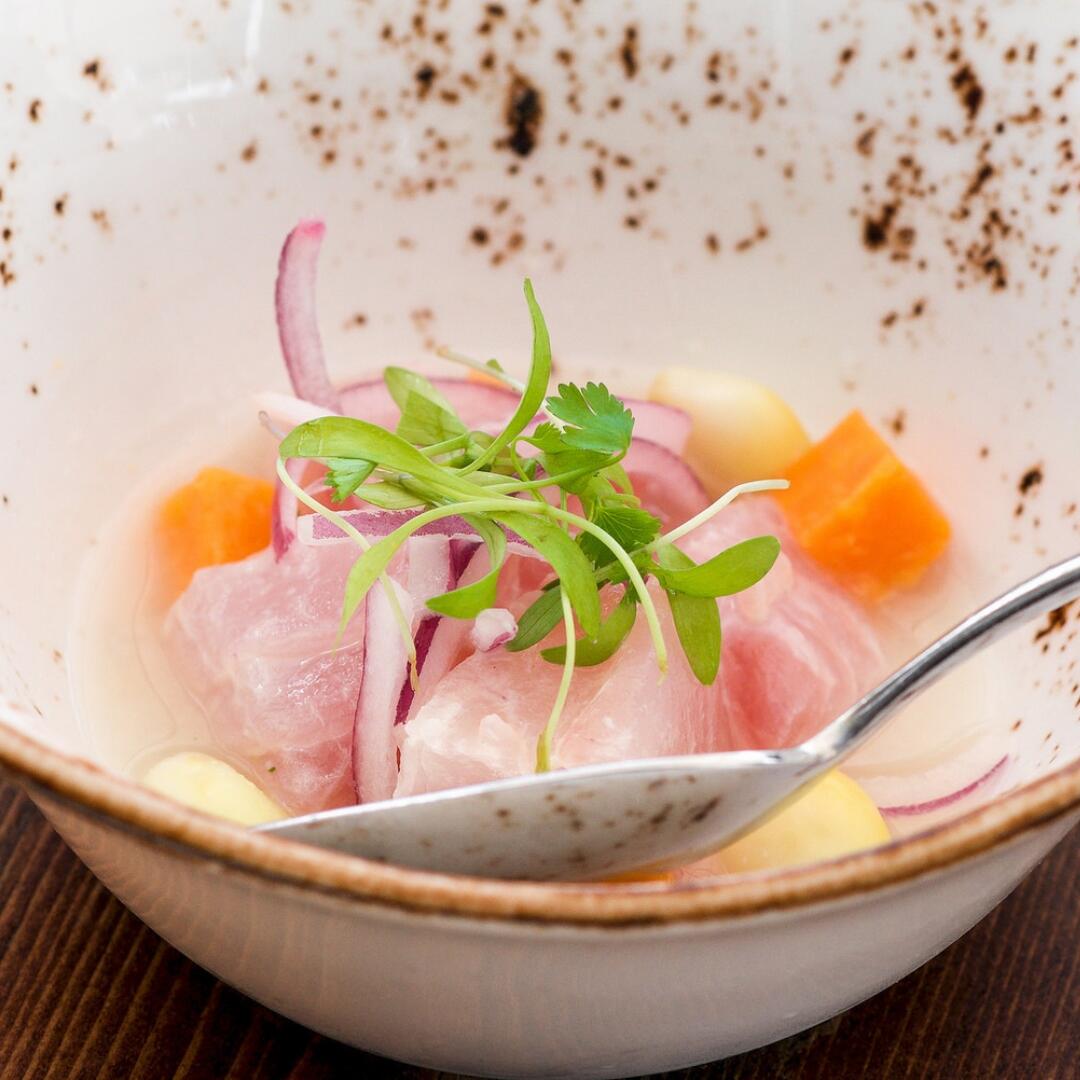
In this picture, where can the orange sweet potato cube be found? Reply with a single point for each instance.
(218, 517)
(861, 513)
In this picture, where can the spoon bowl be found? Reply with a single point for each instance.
(602, 820)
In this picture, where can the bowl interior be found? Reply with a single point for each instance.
(858, 209)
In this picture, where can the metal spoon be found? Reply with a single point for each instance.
(599, 820)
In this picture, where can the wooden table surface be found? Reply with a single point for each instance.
(87, 991)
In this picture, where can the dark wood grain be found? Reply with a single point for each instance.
(87, 991)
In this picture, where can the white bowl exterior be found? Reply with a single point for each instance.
(146, 203)
(491, 998)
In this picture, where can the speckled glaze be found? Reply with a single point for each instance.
(859, 203)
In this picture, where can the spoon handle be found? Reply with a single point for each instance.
(1044, 592)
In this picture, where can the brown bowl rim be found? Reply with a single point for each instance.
(120, 803)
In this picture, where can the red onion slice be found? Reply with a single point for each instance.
(928, 807)
(284, 510)
(663, 424)
(481, 405)
(298, 329)
(448, 643)
(664, 482)
(476, 403)
(316, 530)
(386, 695)
(386, 671)
(284, 412)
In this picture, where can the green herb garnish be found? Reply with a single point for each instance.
(520, 480)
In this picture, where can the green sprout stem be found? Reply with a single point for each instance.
(513, 486)
(714, 508)
(459, 442)
(543, 745)
(509, 381)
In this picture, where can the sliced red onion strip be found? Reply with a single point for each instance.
(663, 424)
(913, 809)
(386, 671)
(317, 530)
(449, 641)
(462, 552)
(286, 412)
(664, 482)
(284, 510)
(298, 329)
(481, 405)
(386, 694)
(476, 403)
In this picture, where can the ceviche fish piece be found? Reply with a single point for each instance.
(255, 643)
(483, 719)
(797, 649)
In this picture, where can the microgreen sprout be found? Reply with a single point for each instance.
(567, 444)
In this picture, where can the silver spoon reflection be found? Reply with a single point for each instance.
(601, 820)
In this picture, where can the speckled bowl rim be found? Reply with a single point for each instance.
(115, 802)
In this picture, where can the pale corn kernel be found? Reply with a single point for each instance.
(834, 817)
(208, 784)
(741, 430)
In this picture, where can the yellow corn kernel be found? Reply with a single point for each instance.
(741, 430)
(208, 784)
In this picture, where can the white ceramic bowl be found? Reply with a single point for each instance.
(858, 203)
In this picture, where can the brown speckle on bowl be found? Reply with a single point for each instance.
(1055, 621)
(628, 52)
(524, 116)
(760, 234)
(95, 71)
(1031, 479)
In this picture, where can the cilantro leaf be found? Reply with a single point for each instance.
(630, 526)
(732, 571)
(345, 475)
(547, 437)
(598, 420)
(613, 632)
(617, 475)
(574, 468)
(696, 618)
